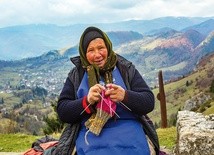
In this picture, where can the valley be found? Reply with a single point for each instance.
(29, 87)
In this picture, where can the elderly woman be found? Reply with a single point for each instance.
(106, 95)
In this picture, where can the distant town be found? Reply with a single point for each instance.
(49, 80)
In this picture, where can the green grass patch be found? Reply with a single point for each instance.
(9, 99)
(16, 142)
(167, 137)
(22, 142)
(19, 142)
(209, 110)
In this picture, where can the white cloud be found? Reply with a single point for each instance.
(63, 12)
(119, 4)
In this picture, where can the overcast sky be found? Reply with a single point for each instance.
(68, 12)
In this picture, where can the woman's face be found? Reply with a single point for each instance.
(97, 52)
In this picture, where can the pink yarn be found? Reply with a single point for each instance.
(106, 104)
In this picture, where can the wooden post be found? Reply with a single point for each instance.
(162, 98)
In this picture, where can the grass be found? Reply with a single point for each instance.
(22, 142)
(167, 137)
(9, 99)
(209, 110)
(16, 142)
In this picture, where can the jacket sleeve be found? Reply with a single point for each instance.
(69, 108)
(139, 98)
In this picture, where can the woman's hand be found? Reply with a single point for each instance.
(94, 93)
(116, 92)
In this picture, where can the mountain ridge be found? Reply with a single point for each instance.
(19, 42)
(148, 53)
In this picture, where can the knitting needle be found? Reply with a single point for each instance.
(85, 108)
(125, 105)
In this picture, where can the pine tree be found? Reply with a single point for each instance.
(187, 83)
(212, 87)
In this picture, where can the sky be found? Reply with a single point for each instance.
(69, 12)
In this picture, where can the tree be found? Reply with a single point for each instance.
(2, 101)
(187, 83)
(39, 91)
(54, 124)
(212, 87)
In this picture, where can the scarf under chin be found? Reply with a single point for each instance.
(95, 73)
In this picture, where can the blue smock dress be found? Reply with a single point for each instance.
(120, 136)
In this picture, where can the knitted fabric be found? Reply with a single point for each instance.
(105, 110)
(97, 121)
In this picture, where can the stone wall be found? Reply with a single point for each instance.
(195, 134)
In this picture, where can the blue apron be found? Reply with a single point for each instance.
(120, 136)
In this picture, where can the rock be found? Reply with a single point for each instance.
(195, 134)
(196, 101)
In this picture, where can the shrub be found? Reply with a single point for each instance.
(54, 124)
(212, 87)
